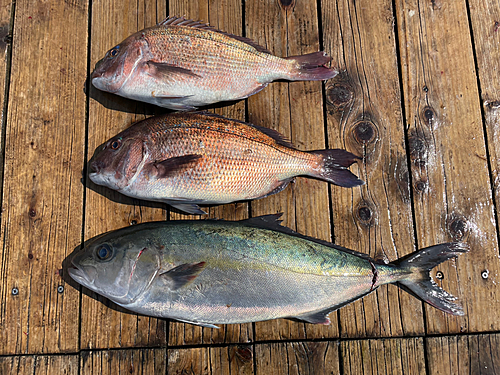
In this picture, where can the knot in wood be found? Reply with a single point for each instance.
(429, 113)
(364, 214)
(457, 226)
(287, 4)
(339, 95)
(421, 185)
(364, 132)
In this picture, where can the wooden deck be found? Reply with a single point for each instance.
(419, 98)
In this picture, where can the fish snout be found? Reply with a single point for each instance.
(96, 166)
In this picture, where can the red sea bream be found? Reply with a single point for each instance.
(183, 64)
(185, 159)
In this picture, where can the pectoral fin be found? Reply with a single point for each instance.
(182, 275)
(169, 167)
(168, 72)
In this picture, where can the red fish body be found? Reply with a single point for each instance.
(185, 159)
(182, 64)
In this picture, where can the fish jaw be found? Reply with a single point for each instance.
(113, 71)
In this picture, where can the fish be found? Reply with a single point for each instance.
(212, 272)
(183, 64)
(185, 159)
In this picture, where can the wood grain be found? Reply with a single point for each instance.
(364, 116)
(294, 109)
(212, 360)
(447, 151)
(224, 15)
(479, 354)
(112, 22)
(386, 356)
(42, 200)
(305, 358)
(132, 361)
(40, 365)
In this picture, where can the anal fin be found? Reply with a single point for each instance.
(321, 316)
(206, 325)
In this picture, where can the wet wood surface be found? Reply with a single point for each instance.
(417, 98)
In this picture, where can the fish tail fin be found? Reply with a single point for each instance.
(333, 167)
(311, 67)
(420, 284)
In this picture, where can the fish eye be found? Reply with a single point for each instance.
(104, 252)
(115, 145)
(114, 51)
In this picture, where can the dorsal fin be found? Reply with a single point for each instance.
(273, 222)
(181, 21)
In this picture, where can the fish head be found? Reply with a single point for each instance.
(119, 64)
(120, 268)
(116, 162)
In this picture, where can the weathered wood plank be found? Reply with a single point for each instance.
(220, 360)
(42, 194)
(387, 356)
(113, 21)
(296, 358)
(40, 365)
(485, 18)
(464, 354)
(5, 51)
(364, 116)
(448, 157)
(131, 361)
(226, 16)
(296, 110)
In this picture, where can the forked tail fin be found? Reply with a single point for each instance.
(311, 67)
(334, 167)
(420, 284)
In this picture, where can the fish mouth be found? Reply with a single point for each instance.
(79, 275)
(95, 167)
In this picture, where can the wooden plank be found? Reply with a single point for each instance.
(364, 116)
(42, 196)
(234, 359)
(294, 358)
(131, 361)
(448, 157)
(296, 110)
(478, 354)
(40, 365)
(387, 356)
(224, 15)
(6, 27)
(485, 19)
(112, 22)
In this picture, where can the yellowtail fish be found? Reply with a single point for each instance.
(186, 159)
(182, 64)
(209, 272)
